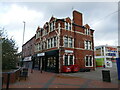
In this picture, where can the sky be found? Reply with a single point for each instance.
(101, 16)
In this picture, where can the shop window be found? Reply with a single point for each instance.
(88, 61)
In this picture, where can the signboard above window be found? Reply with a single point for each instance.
(68, 51)
(41, 54)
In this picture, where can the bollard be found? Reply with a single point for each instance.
(8, 81)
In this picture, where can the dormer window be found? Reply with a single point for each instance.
(67, 26)
(87, 31)
(52, 26)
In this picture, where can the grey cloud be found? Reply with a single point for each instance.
(92, 13)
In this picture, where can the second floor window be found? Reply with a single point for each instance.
(88, 45)
(52, 26)
(66, 41)
(70, 42)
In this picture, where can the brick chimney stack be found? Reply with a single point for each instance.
(77, 18)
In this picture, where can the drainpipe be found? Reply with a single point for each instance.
(59, 47)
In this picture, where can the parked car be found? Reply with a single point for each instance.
(66, 69)
(74, 68)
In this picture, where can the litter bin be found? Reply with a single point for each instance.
(106, 75)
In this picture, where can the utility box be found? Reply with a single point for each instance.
(106, 75)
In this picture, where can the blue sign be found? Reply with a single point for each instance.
(118, 67)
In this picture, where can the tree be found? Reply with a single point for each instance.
(9, 53)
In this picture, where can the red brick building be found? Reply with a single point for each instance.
(63, 42)
(28, 52)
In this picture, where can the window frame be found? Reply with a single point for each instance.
(68, 60)
(89, 58)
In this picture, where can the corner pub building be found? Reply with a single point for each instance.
(63, 42)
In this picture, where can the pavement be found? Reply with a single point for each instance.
(97, 74)
(53, 80)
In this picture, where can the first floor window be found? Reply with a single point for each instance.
(71, 60)
(88, 61)
(52, 42)
(48, 43)
(90, 58)
(39, 46)
(68, 60)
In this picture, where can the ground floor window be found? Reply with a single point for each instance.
(68, 60)
(88, 61)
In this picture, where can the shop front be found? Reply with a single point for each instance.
(27, 62)
(47, 61)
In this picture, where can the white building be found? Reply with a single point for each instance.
(105, 55)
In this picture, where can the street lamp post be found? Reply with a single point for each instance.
(23, 33)
(23, 42)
